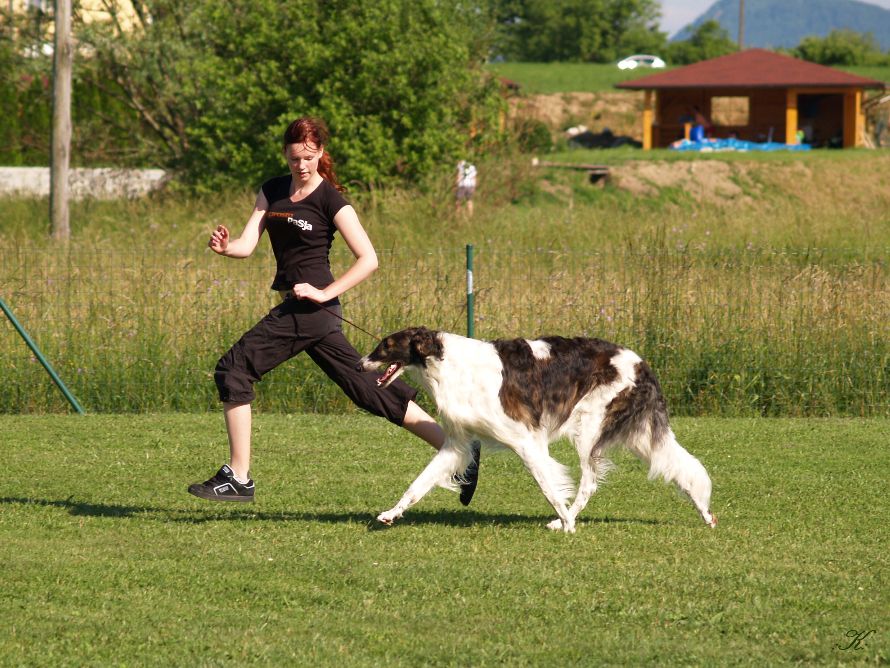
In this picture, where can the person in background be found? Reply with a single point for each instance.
(702, 130)
(466, 186)
(302, 211)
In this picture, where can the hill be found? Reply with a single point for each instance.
(784, 23)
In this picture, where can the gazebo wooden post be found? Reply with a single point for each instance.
(852, 118)
(859, 137)
(791, 116)
(648, 118)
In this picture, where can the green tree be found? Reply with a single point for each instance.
(25, 89)
(576, 30)
(215, 82)
(709, 40)
(841, 47)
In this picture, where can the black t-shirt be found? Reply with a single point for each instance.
(301, 232)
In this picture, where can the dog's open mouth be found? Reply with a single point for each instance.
(392, 372)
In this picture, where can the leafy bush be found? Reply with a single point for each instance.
(216, 82)
(534, 135)
(841, 47)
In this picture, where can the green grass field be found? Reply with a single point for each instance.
(550, 78)
(107, 561)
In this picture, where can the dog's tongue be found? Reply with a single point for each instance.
(386, 375)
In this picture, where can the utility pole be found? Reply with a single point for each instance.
(61, 138)
(741, 24)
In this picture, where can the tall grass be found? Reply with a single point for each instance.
(736, 317)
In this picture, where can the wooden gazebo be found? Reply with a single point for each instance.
(754, 95)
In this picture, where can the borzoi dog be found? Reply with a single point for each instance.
(524, 395)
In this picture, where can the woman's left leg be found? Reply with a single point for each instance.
(339, 360)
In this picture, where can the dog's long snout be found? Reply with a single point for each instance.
(362, 364)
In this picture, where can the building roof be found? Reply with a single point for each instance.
(753, 68)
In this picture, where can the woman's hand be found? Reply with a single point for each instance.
(219, 240)
(306, 291)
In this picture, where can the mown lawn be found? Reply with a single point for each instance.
(107, 561)
(551, 78)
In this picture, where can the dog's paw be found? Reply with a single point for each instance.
(388, 517)
(557, 525)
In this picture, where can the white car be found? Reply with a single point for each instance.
(640, 60)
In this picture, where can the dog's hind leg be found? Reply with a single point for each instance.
(438, 472)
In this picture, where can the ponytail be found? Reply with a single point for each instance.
(326, 169)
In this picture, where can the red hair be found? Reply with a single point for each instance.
(307, 130)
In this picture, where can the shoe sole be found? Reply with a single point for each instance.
(216, 497)
(467, 490)
(466, 494)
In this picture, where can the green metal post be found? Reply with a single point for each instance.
(41, 358)
(470, 298)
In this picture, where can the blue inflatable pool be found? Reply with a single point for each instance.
(735, 145)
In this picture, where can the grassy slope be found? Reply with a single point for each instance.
(106, 560)
(548, 78)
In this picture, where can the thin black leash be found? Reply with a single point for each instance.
(349, 322)
(346, 320)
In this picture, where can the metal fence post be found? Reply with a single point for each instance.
(470, 297)
(40, 357)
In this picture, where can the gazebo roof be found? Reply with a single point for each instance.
(753, 68)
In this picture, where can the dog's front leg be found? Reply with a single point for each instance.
(438, 471)
(541, 467)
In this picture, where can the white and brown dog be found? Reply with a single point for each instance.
(524, 395)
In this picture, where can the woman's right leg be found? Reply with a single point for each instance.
(422, 425)
(339, 360)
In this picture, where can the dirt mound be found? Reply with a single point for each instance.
(707, 180)
(620, 112)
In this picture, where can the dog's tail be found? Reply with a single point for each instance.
(638, 418)
(671, 461)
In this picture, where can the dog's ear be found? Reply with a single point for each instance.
(426, 343)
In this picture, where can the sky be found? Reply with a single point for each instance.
(676, 14)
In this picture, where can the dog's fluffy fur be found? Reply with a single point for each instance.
(524, 395)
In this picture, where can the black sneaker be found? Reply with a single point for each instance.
(471, 475)
(223, 487)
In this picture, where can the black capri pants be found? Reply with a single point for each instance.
(298, 325)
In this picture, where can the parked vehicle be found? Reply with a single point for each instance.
(640, 60)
